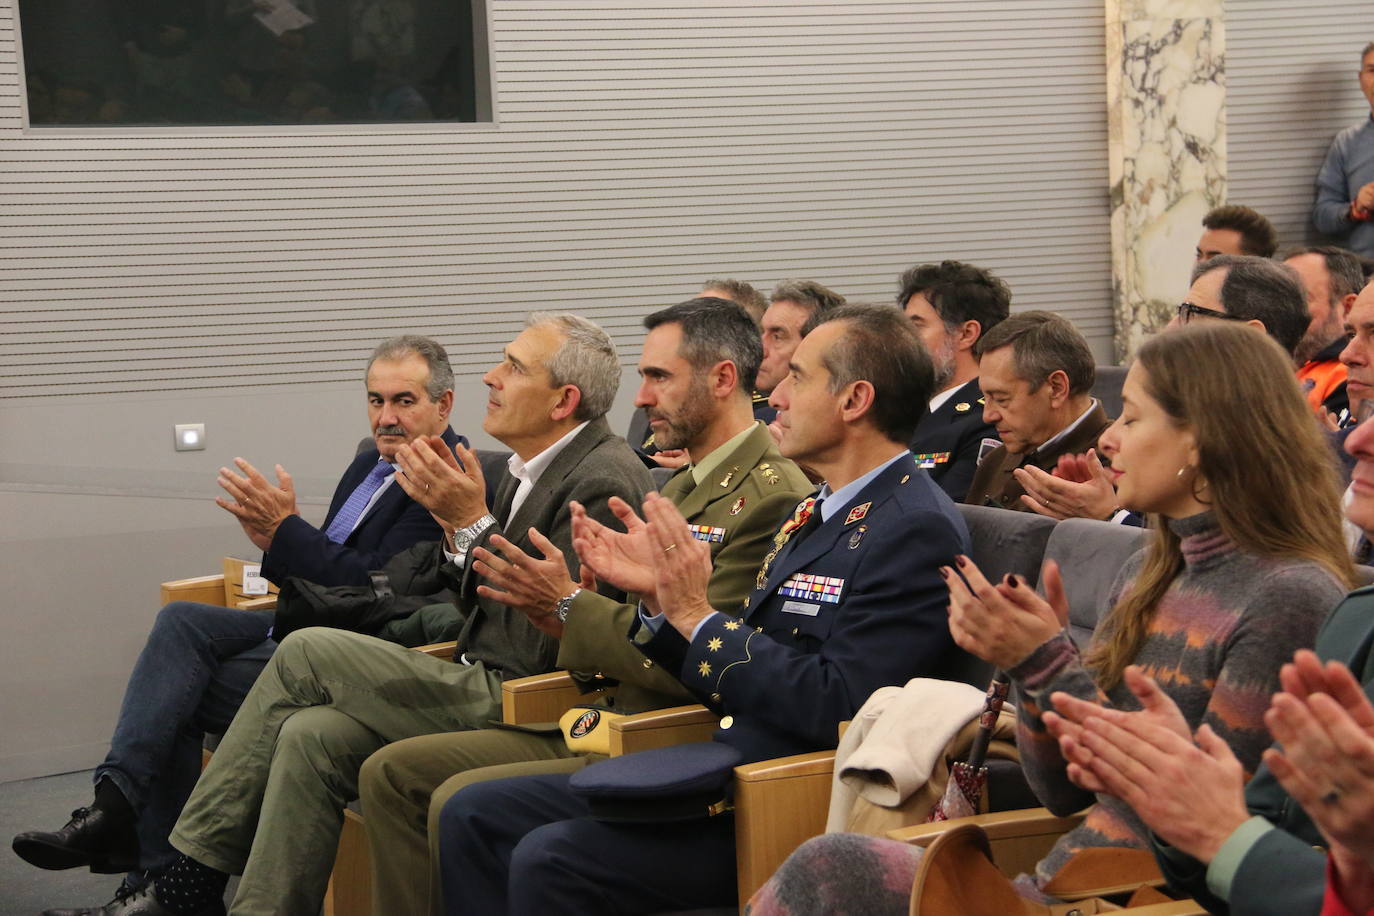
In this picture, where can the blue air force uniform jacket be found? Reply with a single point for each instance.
(857, 605)
(948, 440)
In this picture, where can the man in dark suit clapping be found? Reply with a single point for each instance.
(200, 660)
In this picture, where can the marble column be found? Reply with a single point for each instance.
(1166, 93)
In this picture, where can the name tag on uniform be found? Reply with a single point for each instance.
(801, 607)
(707, 533)
(929, 460)
(814, 588)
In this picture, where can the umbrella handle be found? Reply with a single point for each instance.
(992, 707)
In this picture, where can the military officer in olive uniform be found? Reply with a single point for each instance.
(952, 305)
(1036, 373)
(698, 364)
(850, 598)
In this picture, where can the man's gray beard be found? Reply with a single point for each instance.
(1314, 341)
(942, 377)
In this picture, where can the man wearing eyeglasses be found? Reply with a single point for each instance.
(1258, 291)
(1254, 290)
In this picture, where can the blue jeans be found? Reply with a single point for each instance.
(195, 669)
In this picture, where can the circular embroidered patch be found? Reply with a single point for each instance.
(584, 724)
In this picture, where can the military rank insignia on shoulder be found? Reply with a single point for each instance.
(857, 513)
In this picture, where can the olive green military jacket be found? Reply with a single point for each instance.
(736, 510)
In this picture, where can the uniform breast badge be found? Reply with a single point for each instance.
(737, 507)
(857, 536)
(815, 588)
(857, 513)
(707, 533)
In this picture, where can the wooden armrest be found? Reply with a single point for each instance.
(202, 589)
(779, 804)
(540, 698)
(662, 728)
(1173, 908)
(261, 603)
(438, 649)
(545, 697)
(798, 766)
(1019, 839)
(997, 825)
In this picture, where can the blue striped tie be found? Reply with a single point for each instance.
(342, 526)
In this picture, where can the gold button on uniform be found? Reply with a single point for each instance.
(795, 631)
(715, 698)
(727, 721)
(648, 663)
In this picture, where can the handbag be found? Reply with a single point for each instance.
(679, 783)
(957, 875)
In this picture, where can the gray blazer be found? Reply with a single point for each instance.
(595, 466)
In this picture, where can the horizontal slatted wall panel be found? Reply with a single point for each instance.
(1291, 87)
(640, 148)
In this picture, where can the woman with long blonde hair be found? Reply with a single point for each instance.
(1216, 444)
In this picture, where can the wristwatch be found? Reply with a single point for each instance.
(560, 610)
(464, 538)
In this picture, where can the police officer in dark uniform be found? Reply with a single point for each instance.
(952, 305)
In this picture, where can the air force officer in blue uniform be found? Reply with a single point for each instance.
(850, 599)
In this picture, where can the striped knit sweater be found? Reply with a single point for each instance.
(1226, 624)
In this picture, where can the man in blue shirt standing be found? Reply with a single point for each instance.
(1345, 186)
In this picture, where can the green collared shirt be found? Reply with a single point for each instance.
(703, 469)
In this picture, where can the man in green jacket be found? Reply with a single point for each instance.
(698, 366)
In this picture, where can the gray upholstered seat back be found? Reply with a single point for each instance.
(1090, 554)
(1107, 388)
(1003, 541)
(1006, 541)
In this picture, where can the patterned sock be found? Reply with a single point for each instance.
(187, 887)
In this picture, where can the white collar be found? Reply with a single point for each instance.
(532, 469)
(939, 400)
(1066, 430)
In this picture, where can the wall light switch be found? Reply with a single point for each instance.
(190, 437)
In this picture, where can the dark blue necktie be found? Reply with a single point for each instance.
(342, 525)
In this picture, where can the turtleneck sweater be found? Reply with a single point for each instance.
(1228, 621)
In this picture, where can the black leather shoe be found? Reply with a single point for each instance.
(140, 902)
(93, 837)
